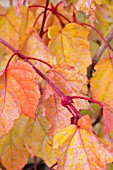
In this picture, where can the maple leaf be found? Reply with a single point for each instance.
(104, 17)
(77, 147)
(70, 81)
(14, 28)
(22, 77)
(19, 93)
(35, 47)
(37, 141)
(101, 82)
(107, 120)
(102, 88)
(13, 154)
(70, 46)
(6, 28)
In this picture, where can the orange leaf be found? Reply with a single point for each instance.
(70, 45)
(21, 77)
(18, 94)
(79, 148)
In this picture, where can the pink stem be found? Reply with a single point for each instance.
(75, 110)
(31, 58)
(89, 99)
(65, 100)
(106, 44)
(37, 19)
(57, 13)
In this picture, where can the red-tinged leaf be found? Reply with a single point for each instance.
(13, 154)
(71, 82)
(19, 3)
(21, 78)
(70, 45)
(37, 141)
(58, 116)
(19, 93)
(79, 148)
(107, 120)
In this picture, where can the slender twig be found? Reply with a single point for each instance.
(65, 100)
(44, 18)
(57, 13)
(37, 18)
(38, 71)
(75, 110)
(102, 48)
(31, 58)
(51, 168)
(35, 163)
(8, 45)
(11, 2)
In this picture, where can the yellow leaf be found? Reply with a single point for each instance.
(101, 82)
(70, 46)
(78, 148)
(13, 154)
(37, 141)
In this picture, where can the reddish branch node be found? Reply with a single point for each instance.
(66, 100)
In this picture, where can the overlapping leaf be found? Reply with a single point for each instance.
(13, 154)
(28, 137)
(107, 120)
(102, 88)
(88, 7)
(37, 141)
(35, 47)
(71, 82)
(77, 147)
(19, 93)
(101, 83)
(13, 28)
(70, 45)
